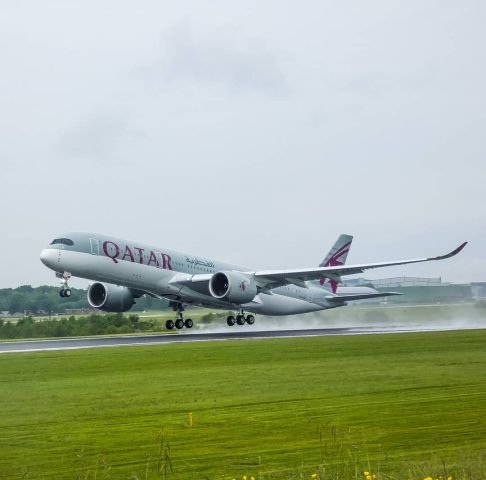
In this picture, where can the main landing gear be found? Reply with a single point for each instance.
(65, 291)
(240, 319)
(179, 321)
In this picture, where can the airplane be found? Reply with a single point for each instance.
(123, 270)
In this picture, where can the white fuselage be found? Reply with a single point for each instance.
(168, 274)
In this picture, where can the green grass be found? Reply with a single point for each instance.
(403, 406)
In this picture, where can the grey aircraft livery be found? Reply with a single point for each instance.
(123, 271)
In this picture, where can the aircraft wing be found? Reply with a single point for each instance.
(270, 278)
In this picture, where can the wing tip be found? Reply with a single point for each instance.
(451, 254)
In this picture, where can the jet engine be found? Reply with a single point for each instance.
(233, 287)
(110, 298)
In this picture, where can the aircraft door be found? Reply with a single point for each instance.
(95, 246)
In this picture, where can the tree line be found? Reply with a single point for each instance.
(94, 324)
(46, 300)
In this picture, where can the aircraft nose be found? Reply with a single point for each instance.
(47, 257)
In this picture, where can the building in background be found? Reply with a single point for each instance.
(422, 290)
(478, 290)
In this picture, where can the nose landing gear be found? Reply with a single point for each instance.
(65, 291)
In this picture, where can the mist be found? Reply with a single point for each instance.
(367, 319)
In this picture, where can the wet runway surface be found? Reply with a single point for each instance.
(127, 340)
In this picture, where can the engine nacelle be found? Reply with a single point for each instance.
(234, 287)
(110, 298)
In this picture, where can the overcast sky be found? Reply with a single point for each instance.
(252, 132)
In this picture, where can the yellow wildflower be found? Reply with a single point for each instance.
(366, 473)
(428, 478)
(314, 475)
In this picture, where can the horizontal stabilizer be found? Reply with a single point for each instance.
(360, 296)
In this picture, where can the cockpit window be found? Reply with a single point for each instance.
(62, 241)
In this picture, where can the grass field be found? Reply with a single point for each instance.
(400, 406)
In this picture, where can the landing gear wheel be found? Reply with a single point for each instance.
(240, 319)
(230, 321)
(169, 324)
(65, 290)
(179, 324)
(250, 319)
(188, 323)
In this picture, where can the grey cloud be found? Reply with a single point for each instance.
(189, 59)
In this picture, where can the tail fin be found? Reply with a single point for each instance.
(338, 253)
(336, 256)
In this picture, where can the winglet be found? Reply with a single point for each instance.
(451, 254)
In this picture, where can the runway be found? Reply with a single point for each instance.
(184, 337)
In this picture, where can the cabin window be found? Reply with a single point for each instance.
(62, 241)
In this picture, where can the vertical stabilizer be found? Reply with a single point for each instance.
(336, 256)
(338, 253)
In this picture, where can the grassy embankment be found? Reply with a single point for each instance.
(402, 406)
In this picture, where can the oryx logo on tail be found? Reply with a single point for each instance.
(336, 256)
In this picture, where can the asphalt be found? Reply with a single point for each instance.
(185, 337)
